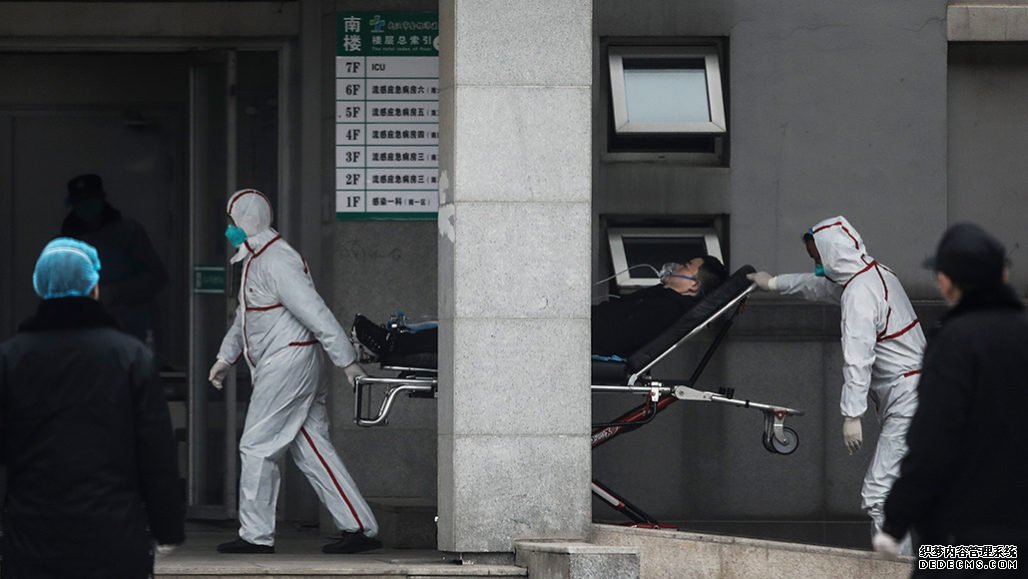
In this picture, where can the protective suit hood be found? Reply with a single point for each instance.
(842, 250)
(251, 210)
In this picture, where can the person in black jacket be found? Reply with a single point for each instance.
(622, 326)
(133, 274)
(964, 480)
(85, 434)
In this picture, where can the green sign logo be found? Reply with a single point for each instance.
(377, 24)
(387, 34)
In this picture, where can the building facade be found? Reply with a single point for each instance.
(905, 117)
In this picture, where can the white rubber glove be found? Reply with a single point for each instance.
(161, 551)
(218, 372)
(763, 279)
(885, 544)
(353, 371)
(852, 433)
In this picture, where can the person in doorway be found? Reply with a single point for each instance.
(622, 326)
(964, 480)
(284, 330)
(85, 434)
(882, 345)
(133, 274)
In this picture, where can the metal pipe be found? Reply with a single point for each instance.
(400, 385)
(231, 490)
(631, 389)
(373, 380)
(387, 404)
(757, 405)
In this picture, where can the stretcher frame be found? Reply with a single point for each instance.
(415, 382)
(777, 438)
(420, 382)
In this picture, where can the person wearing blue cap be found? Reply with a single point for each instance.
(92, 482)
(67, 268)
(964, 480)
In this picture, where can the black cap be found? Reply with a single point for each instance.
(970, 257)
(85, 187)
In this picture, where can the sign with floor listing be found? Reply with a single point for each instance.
(387, 115)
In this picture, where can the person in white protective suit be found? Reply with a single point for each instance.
(882, 346)
(284, 331)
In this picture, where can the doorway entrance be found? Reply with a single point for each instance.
(172, 134)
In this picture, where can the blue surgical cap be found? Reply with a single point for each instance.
(66, 268)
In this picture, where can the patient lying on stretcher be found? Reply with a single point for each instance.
(619, 327)
(622, 326)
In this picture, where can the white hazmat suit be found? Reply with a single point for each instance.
(882, 346)
(284, 331)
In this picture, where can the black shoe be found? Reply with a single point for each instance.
(242, 546)
(352, 543)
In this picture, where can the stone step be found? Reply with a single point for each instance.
(667, 553)
(356, 572)
(558, 559)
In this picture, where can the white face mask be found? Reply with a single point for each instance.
(666, 270)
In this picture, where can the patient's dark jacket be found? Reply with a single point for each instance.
(622, 326)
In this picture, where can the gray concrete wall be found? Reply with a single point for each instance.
(988, 135)
(695, 556)
(513, 272)
(834, 108)
(869, 144)
(987, 20)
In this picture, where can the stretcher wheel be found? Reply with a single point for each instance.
(792, 442)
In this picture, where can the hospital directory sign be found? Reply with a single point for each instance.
(387, 115)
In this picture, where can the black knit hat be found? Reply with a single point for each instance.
(970, 257)
(85, 187)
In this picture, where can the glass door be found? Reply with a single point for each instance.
(235, 142)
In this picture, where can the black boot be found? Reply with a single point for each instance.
(243, 546)
(352, 543)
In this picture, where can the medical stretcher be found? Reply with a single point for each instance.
(411, 357)
(634, 375)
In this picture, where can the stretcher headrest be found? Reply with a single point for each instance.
(730, 289)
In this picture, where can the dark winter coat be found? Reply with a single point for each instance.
(132, 273)
(622, 326)
(965, 476)
(92, 479)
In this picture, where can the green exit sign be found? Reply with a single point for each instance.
(208, 279)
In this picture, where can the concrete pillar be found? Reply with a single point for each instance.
(514, 246)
